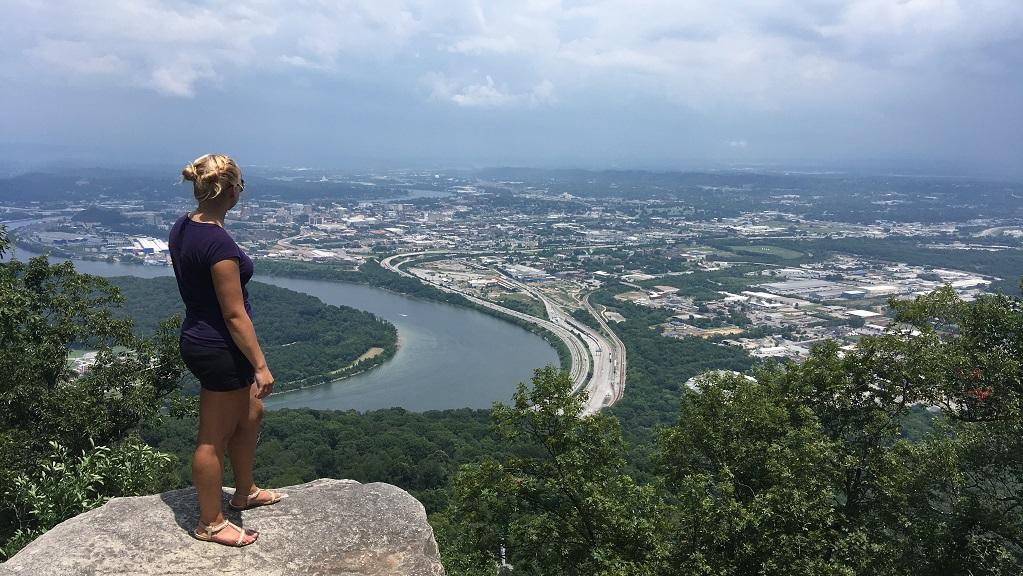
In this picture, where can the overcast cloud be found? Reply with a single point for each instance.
(679, 83)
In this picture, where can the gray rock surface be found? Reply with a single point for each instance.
(323, 527)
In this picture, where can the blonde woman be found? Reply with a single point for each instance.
(219, 346)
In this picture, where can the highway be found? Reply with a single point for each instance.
(616, 355)
(598, 362)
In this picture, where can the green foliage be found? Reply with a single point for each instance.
(44, 310)
(371, 272)
(771, 252)
(416, 451)
(305, 341)
(104, 216)
(745, 471)
(828, 467)
(809, 457)
(917, 422)
(560, 505)
(972, 470)
(63, 486)
(705, 286)
(657, 369)
(803, 469)
(524, 304)
(583, 315)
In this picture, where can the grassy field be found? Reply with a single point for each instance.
(778, 251)
(523, 303)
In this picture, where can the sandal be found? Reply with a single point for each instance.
(207, 532)
(251, 501)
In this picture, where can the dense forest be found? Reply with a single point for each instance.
(829, 467)
(305, 341)
(417, 451)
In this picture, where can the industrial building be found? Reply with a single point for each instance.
(143, 246)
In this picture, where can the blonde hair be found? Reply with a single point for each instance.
(210, 174)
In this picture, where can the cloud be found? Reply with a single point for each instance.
(179, 78)
(168, 47)
(487, 94)
(481, 44)
(76, 57)
(691, 52)
(787, 75)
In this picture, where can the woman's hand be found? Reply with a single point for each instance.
(264, 382)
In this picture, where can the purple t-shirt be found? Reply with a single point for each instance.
(194, 248)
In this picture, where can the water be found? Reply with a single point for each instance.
(15, 224)
(448, 357)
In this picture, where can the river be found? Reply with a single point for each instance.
(448, 357)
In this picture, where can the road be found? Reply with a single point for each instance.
(598, 362)
(616, 355)
(602, 388)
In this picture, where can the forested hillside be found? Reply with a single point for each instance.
(796, 469)
(827, 467)
(306, 341)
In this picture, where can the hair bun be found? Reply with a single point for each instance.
(189, 173)
(210, 174)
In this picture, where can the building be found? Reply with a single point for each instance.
(800, 287)
(145, 245)
(525, 273)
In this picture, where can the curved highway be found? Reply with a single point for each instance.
(616, 355)
(598, 364)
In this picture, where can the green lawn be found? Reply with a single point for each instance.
(523, 303)
(778, 251)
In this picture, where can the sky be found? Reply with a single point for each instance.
(672, 84)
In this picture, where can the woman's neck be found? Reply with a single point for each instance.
(209, 215)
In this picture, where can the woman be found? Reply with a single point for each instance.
(219, 346)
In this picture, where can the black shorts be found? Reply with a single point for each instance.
(217, 369)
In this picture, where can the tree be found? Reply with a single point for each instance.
(804, 470)
(748, 476)
(968, 490)
(50, 414)
(562, 503)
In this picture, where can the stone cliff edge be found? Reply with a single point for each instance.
(324, 527)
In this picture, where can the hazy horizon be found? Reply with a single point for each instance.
(923, 86)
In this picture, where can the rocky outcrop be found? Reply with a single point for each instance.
(323, 527)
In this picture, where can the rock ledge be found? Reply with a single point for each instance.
(323, 527)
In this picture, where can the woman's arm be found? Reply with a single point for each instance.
(228, 286)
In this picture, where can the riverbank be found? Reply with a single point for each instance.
(449, 357)
(372, 274)
(306, 342)
(367, 361)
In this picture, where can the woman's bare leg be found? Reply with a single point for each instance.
(219, 414)
(242, 448)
